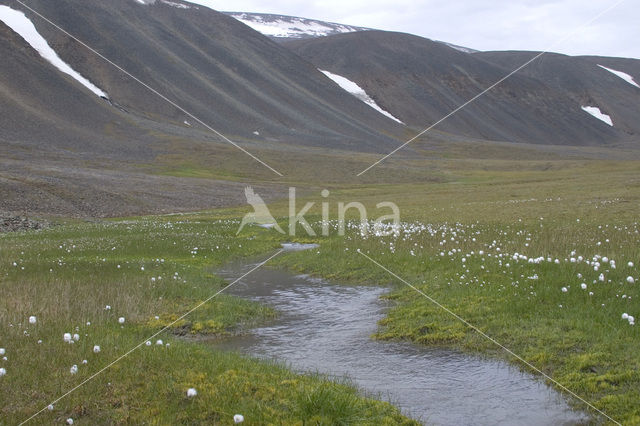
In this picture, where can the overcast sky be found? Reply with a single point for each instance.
(479, 24)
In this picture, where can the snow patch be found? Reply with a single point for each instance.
(595, 111)
(358, 92)
(167, 2)
(19, 23)
(458, 48)
(291, 27)
(623, 75)
(176, 5)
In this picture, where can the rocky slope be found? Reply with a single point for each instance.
(420, 81)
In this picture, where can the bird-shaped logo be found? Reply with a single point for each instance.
(261, 215)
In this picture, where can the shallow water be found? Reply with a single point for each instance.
(326, 328)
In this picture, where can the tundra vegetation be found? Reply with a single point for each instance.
(541, 255)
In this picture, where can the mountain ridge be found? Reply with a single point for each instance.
(63, 149)
(420, 81)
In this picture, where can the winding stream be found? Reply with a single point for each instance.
(327, 328)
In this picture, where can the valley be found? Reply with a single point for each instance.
(515, 256)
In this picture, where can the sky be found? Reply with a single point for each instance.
(564, 26)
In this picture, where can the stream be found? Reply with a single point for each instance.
(327, 328)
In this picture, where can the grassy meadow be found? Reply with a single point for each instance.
(545, 260)
(537, 253)
(82, 278)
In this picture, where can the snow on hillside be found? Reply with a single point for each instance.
(358, 92)
(595, 111)
(167, 2)
(176, 5)
(282, 26)
(626, 77)
(19, 23)
(458, 48)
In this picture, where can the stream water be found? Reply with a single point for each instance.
(326, 328)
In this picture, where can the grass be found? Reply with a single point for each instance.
(148, 271)
(458, 246)
(482, 205)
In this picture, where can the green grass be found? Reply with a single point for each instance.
(578, 339)
(548, 207)
(148, 272)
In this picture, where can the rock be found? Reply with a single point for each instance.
(10, 223)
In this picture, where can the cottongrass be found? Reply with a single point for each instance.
(630, 318)
(191, 392)
(2, 372)
(32, 319)
(238, 418)
(96, 349)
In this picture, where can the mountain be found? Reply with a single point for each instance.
(64, 149)
(81, 137)
(592, 80)
(221, 71)
(286, 28)
(419, 81)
